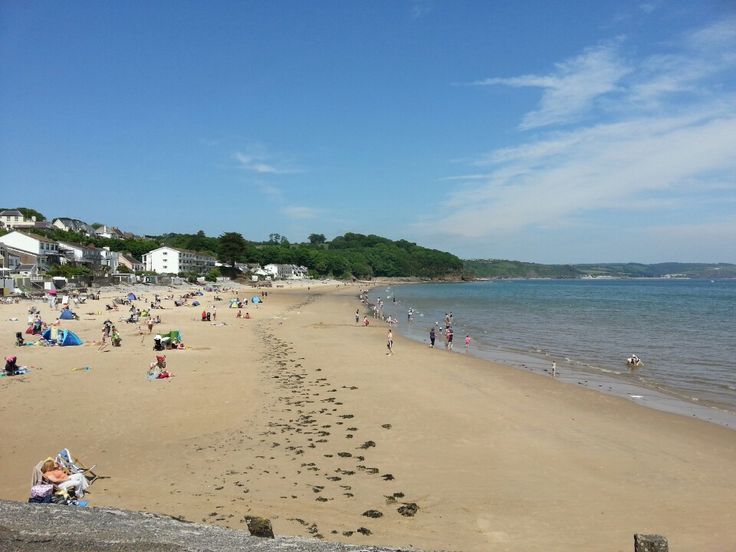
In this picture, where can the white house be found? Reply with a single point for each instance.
(110, 258)
(12, 218)
(73, 225)
(78, 253)
(170, 260)
(105, 231)
(45, 250)
(286, 271)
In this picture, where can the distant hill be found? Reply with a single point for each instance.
(498, 268)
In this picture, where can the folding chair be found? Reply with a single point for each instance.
(75, 465)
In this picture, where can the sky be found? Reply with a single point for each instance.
(546, 131)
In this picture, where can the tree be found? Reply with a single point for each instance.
(96, 225)
(213, 274)
(232, 248)
(317, 239)
(274, 238)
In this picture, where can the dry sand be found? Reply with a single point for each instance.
(300, 416)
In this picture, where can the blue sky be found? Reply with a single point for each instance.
(537, 130)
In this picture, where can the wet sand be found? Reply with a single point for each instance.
(300, 416)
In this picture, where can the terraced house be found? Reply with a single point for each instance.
(170, 260)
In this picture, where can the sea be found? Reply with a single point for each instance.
(684, 331)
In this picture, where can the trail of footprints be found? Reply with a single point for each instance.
(305, 421)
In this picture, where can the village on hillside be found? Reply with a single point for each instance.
(28, 258)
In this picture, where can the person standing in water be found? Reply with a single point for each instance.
(432, 337)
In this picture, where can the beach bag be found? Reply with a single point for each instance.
(42, 490)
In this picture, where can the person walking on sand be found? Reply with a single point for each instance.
(357, 316)
(432, 337)
(390, 342)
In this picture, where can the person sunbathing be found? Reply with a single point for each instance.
(157, 369)
(61, 479)
(11, 365)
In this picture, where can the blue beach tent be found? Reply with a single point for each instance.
(255, 299)
(64, 338)
(131, 297)
(66, 315)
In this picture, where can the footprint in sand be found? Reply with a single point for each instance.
(485, 526)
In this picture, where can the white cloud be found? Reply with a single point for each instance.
(602, 167)
(420, 8)
(299, 212)
(571, 90)
(664, 144)
(258, 160)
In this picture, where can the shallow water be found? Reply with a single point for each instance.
(683, 330)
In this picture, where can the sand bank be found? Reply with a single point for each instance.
(299, 415)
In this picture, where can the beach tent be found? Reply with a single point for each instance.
(132, 297)
(195, 303)
(234, 303)
(64, 338)
(255, 299)
(174, 336)
(66, 315)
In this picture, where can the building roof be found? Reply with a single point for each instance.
(67, 243)
(11, 213)
(34, 236)
(130, 258)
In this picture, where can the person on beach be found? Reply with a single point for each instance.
(390, 342)
(366, 321)
(57, 476)
(150, 325)
(467, 343)
(11, 365)
(357, 316)
(449, 335)
(554, 368)
(157, 369)
(432, 337)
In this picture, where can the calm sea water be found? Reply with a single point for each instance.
(683, 330)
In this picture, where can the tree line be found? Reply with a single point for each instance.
(350, 255)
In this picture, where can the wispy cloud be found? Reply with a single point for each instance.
(299, 212)
(667, 153)
(420, 8)
(258, 160)
(572, 88)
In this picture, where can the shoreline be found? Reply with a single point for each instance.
(572, 372)
(299, 415)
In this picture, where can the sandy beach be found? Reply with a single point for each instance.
(299, 415)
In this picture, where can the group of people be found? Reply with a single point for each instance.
(208, 316)
(110, 332)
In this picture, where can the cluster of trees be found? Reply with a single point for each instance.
(353, 255)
